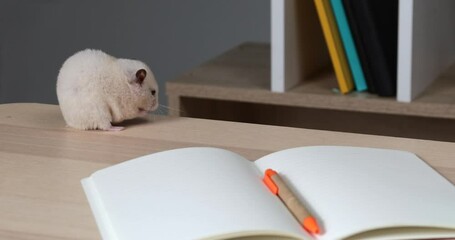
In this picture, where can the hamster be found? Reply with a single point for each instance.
(95, 90)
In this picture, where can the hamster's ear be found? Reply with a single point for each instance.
(140, 76)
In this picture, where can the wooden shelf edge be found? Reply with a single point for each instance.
(311, 100)
(243, 75)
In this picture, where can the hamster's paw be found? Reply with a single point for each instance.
(115, 128)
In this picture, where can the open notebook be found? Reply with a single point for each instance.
(211, 193)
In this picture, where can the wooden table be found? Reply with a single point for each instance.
(42, 161)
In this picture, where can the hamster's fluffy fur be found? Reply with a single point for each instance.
(95, 89)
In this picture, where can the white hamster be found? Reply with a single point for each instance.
(95, 89)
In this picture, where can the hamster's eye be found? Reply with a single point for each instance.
(153, 91)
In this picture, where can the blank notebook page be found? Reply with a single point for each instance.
(192, 193)
(352, 189)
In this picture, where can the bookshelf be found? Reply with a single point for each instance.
(425, 44)
(291, 82)
(426, 34)
(235, 86)
(243, 75)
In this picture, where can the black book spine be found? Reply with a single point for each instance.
(377, 22)
(356, 35)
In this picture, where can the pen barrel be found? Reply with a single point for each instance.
(290, 200)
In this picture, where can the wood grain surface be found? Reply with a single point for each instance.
(42, 161)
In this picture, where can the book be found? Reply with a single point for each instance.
(375, 24)
(212, 193)
(356, 35)
(334, 45)
(349, 46)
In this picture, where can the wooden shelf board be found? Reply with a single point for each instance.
(243, 74)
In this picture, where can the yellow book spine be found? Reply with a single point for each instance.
(334, 45)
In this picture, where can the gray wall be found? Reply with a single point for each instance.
(171, 36)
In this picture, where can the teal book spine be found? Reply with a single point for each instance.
(349, 46)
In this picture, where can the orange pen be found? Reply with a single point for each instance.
(278, 187)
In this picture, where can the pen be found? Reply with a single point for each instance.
(278, 187)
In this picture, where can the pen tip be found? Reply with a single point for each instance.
(311, 225)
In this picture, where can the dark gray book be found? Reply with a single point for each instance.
(374, 25)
